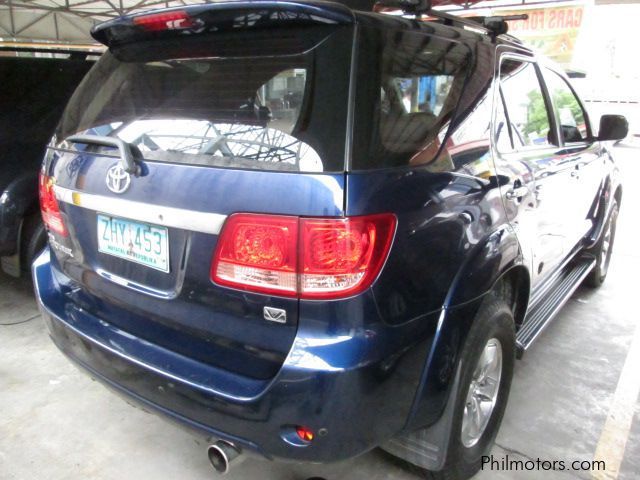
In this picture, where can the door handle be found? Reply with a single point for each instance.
(517, 193)
(575, 173)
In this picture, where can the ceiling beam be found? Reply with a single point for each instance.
(31, 7)
(32, 23)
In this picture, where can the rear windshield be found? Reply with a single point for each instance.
(415, 81)
(268, 112)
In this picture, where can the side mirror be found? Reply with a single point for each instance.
(613, 127)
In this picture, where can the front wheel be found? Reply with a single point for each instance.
(603, 250)
(487, 364)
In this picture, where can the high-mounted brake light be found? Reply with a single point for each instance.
(320, 258)
(49, 207)
(157, 22)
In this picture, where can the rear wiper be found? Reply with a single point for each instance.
(125, 149)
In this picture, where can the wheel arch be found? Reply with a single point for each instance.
(603, 209)
(494, 265)
(514, 286)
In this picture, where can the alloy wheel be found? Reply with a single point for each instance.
(482, 394)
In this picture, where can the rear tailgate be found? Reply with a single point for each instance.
(211, 136)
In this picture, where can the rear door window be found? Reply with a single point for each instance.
(506, 137)
(527, 112)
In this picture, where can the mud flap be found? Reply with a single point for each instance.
(427, 447)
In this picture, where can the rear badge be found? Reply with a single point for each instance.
(275, 314)
(118, 179)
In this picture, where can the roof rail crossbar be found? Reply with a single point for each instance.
(493, 25)
(410, 7)
(457, 21)
(497, 24)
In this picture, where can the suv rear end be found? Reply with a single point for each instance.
(218, 252)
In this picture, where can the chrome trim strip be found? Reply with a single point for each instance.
(135, 286)
(195, 221)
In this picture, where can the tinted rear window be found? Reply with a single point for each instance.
(414, 83)
(274, 112)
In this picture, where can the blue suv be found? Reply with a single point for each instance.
(307, 231)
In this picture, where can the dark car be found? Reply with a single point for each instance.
(33, 93)
(307, 231)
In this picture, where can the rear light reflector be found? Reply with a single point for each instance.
(305, 433)
(157, 22)
(320, 258)
(49, 207)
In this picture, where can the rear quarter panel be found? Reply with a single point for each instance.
(452, 243)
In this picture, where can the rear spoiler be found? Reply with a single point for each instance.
(219, 17)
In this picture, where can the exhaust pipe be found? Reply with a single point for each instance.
(221, 454)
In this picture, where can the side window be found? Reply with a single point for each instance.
(571, 116)
(468, 147)
(503, 132)
(411, 105)
(526, 108)
(418, 94)
(407, 92)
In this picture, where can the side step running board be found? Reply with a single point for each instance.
(542, 312)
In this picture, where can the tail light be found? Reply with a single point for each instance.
(49, 205)
(258, 252)
(320, 258)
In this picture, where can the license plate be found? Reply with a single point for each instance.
(139, 242)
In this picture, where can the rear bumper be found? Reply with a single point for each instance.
(333, 385)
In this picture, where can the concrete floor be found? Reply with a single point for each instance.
(56, 423)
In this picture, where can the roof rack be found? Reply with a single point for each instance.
(497, 24)
(492, 25)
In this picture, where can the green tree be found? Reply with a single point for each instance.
(537, 120)
(564, 99)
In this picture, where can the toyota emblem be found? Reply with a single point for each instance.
(118, 180)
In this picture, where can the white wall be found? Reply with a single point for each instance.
(608, 50)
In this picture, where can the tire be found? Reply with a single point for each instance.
(603, 250)
(34, 239)
(494, 324)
